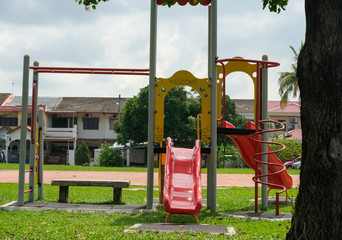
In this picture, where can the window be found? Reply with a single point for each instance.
(11, 122)
(90, 123)
(72, 124)
(60, 122)
(29, 121)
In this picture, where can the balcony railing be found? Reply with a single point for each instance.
(61, 133)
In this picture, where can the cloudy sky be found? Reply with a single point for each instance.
(116, 35)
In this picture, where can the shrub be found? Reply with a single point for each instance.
(293, 149)
(235, 160)
(231, 154)
(110, 157)
(82, 156)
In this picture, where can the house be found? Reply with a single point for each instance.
(289, 116)
(68, 121)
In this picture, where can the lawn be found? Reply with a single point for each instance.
(78, 225)
(11, 166)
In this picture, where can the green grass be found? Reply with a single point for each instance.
(79, 225)
(11, 166)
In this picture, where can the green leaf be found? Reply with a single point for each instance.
(275, 5)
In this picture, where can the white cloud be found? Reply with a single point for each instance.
(61, 33)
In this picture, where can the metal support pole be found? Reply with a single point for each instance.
(210, 40)
(213, 111)
(41, 153)
(33, 134)
(23, 131)
(264, 146)
(151, 103)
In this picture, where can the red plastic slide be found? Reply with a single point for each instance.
(247, 148)
(182, 183)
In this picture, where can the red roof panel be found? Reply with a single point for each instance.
(292, 106)
(294, 134)
(184, 2)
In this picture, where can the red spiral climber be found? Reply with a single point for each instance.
(277, 168)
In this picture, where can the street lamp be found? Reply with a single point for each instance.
(118, 103)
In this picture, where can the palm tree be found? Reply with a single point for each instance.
(288, 81)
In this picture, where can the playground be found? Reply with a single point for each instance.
(180, 188)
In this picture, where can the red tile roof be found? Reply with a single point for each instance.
(18, 108)
(15, 129)
(294, 134)
(5, 99)
(292, 106)
(6, 128)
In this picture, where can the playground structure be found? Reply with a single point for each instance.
(249, 145)
(210, 91)
(36, 150)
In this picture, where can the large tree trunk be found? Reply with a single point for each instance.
(318, 213)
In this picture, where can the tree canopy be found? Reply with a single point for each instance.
(273, 5)
(288, 81)
(181, 109)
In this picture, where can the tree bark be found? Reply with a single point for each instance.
(318, 213)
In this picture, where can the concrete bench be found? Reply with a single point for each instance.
(65, 183)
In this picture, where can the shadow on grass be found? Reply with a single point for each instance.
(159, 217)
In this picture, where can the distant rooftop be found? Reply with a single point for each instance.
(247, 106)
(244, 105)
(66, 104)
(49, 102)
(89, 104)
(3, 97)
(292, 106)
(293, 134)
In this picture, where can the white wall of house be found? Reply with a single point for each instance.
(103, 132)
(292, 119)
(11, 137)
(3, 133)
(48, 121)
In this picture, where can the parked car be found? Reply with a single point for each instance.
(2, 157)
(295, 163)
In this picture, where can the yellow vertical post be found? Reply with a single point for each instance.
(36, 165)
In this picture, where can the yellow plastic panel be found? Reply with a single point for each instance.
(182, 78)
(230, 67)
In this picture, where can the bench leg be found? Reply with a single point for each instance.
(63, 194)
(117, 195)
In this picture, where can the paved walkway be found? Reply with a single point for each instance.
(136, 178)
